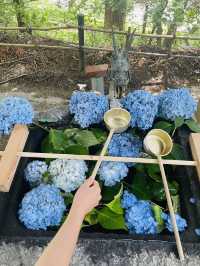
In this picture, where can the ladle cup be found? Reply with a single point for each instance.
(117, 121)
(158, 143)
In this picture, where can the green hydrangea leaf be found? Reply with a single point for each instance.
(168, 127)
(115, 204)
(177, 153)
(140, 186)
(153, 171)
(157, 211)
(108, 193)
(158, 192)
(70, 132)
(58, 140)
(76, 149)
(176, 203)
(110, 220)
(179, 121)
(193, 125)
(86, 138)
(100, 135)
(91, 217)
(68, 198)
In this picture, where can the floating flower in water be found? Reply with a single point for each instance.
(34, 172)
(138, 215)
(175, 103)
(112, 172)
(88, 108)
(181, 222)
(68, 175)
(14, 110)
(143, 107)
(192, 200)
(42, 207)
(197, 231)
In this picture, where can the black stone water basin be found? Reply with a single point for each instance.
(12, 230)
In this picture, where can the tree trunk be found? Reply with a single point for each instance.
(71, 3)
(159, 31)
(145, 17)
(115, 14)
(108, 15)
(19, 9)
(167, 43)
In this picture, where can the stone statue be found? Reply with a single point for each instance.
(119, 74)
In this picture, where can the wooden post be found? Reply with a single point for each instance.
(195, 148)
(10, 159)
(81, 43)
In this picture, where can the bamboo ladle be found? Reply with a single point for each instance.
(158, 143)
(117, 121)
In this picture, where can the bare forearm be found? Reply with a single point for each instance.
(62, 246)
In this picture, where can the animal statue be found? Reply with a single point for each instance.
(119, 74)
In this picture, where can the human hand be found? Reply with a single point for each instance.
(87, 197)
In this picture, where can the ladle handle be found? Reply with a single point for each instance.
(171, 210)
(105, 147)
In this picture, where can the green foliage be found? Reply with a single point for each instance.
(193, 125)
(164, 125)
(157, 211)
(72, 141)
(177, 153)
(108, 193)
(176, 203)
(115, 204)
(111, 216)
(110, 220)
(92, 217)
(68, 198)
(148, 187)
(159, 17)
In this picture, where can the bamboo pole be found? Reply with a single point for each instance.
(104, 158)
(76, 47)
(68, 26)
(171, 209)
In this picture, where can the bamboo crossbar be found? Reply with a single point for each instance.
(76, 47)
(68, 26)
(103, 158)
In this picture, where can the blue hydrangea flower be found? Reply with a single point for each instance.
(143, 107)
(68, 175)
(34, 172)
(139, 218)
(181, 222)
(175, 103)
(128, 200)
(125, 145)
(138, 215)
(88, 107)
(14, 110)
(41, 207)
(112, 172)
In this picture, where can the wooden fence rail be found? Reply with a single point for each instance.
(91, 49)
(68, 26)
(80, 27)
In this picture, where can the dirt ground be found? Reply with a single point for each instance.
(55, 73)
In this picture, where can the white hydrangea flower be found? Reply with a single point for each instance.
(68, 175)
